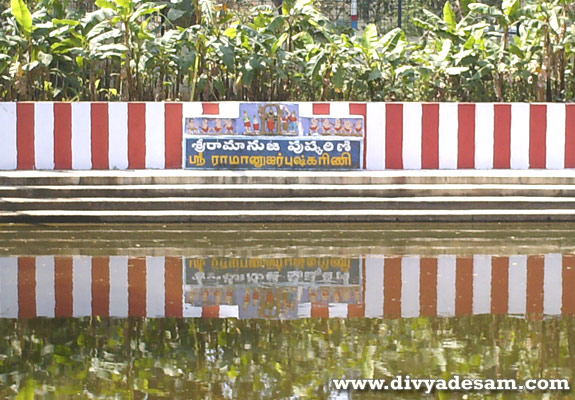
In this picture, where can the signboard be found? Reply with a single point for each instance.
(273, 136)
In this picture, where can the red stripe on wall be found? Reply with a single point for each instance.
(100, 135)
(394, 136)
(570, 136)
(361, 109)
(319, 310)
(537, 136)
(25, 140)
(210, 108)
(64, 285)
(430, 136)
(428, 287)
(464, 286)
(356, 310)
(62, 136)
(568, 283)
(535, 274)
(26, 287)
(174, 287)
(136, 135)
(392, 287)
(502, 136)
(499, 285)
(211, 312)
(137, 287)
(320, 108)
(466, 136)
(173, 135)
(101, 286)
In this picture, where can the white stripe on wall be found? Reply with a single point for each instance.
(410, 286)
(520, 115)
(555, 136)
(517, 284)
(484, 135)
(446, 270)
(45, 283)
(118, 135)
(375, 128)
(481, 284)
(155, 287)
(552, 283)
(412, 135)
(82, 291)
(8, 287)
(448, 135)
(81, 136)
(373, 286)
(44, 135)
(339, 109)
(8, 136)
(155, 135)
(230, 109)
(119, 286)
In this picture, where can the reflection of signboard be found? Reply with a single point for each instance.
(272, 287)
(317, 271)
(273, 136)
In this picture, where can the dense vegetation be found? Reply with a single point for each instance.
(200, 50)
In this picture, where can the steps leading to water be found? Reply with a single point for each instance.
(264, 196)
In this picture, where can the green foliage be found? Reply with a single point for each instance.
(200, 50)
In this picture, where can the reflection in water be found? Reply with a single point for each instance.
(286, 288)
(269, 326)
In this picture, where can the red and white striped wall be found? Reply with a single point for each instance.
(118, 135)
(470, 136)
(394, 287)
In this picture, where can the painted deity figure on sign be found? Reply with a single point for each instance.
(285, 119)
(229, 127)
(247, 122)
(293, 122)
(191, 127)
(218, 128)
(347, 127)
(326, 126)
(205, 127)
(256, 122)
(337, 127)
(314, 126)
(271, 123)
(358, 128)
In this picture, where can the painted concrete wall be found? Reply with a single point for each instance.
(121, 135)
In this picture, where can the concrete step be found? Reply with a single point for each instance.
(287, 203)
(307, 216)
(282, 190)
(188, 177)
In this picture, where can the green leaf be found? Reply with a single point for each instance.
(449, 16)
(369, 37)
(45, 59)
(22, 15)
(106, 4)
(511, 7)
(278, 43)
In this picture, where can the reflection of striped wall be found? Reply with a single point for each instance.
(399, 135)
(395, 287)
(453, 286)
(80, 286)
